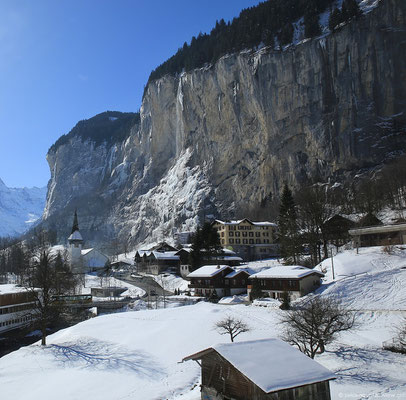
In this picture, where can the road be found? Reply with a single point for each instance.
(148, 284)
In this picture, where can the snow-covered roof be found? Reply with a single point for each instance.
(86, 251)
(187, 249)
(11, 288)
(271, 364)
(165, 255)
(207, 271)
(230, 258)
(236, 272)
(286, 271)
(378, 229)
(75, 236)
(239, 221)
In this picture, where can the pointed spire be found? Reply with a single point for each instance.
(75, 226)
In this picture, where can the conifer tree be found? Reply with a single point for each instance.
(351, 9)
(288, 226)
(312, 25)
(334, 19)
(205, 245)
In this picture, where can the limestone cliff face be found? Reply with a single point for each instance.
(224, 136)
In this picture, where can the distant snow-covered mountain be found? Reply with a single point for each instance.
(20, 208)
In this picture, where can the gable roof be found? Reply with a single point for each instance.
(239, 221)
(86, 251)
(75, 236)
(271, 364)
(165, 255)
(286, 271)
(237, 272)
(208, 271)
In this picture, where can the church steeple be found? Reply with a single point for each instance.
(75, 226)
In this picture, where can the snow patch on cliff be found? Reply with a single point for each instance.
(174, 203)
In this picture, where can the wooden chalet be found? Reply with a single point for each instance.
(268, 369)
(156, 262)
(294, 279)
(336, 229)
(222, 279)
(226, 257)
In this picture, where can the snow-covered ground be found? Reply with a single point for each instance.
(92, 280)
(136, 355)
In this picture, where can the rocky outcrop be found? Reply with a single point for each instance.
(225, 136)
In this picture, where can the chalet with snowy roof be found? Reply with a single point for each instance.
(83, 260)
(251, 240)
(227, 257)
(155, 262)
(379, 235)
(222, 279)
(294, 279)
(267, 369)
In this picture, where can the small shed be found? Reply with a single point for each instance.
(267, 369)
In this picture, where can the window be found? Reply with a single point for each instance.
(237, 241)
(245, 241)
(231, 233)
(222, 241)
(251, 234)
(244, 234)
(237, 234)
(222, 234)
(231, 241)
(257, 241)
(251, 241)
(257, 234)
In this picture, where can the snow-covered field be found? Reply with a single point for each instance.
(136, 355)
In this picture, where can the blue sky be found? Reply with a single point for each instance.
(66, 60)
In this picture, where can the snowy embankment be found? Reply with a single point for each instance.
(135, 355)
(370, 280)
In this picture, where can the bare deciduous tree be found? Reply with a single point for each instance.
(232, 327)
(316, 324)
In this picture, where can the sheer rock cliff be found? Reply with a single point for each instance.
(221, 138)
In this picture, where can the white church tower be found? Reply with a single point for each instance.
(75, 246)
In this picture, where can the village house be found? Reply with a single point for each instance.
(227, 257)
(221, 279)
(17, 307)
(294, 279)
(251, 240)
(158, 259)
(379, 235)
(267, 369)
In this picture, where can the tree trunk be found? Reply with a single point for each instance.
(44, 334)
(321, 346)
